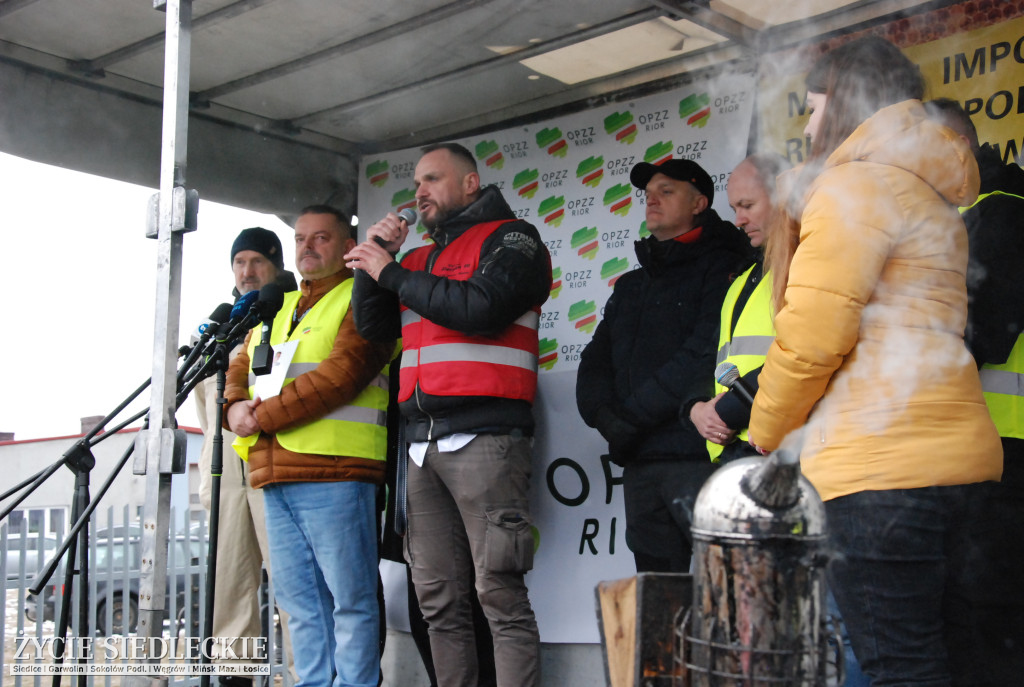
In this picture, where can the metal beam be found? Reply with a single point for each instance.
(11, 6)
(843, 19)
(374, 37)
(407, 90)
(95, 66)
(701, 15)
(635, 83)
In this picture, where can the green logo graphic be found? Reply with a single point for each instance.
(377, 173)
(584, 314)
(585, 242)
(658, 153)
(695, 109)
(406, 198)
(591, 171)
(613, 269)
(619, 199)
(526, 182)
(552, 210)
(621, 125)
(553, 141)
(644, 233)
(489, 153)
(548, 352)
(556, 281)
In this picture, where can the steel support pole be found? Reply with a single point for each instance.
(159, 453)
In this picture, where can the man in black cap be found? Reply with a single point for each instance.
(256, 260)
(657, 337)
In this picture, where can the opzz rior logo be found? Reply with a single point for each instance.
(613, 269)
(552, 209)
(556, 281)
(591, 171)
(695, 109)
(552, 140)
(619, 199)
(377, 173)
(622, 126)
(548, 353)
(491, 155)
(583, 315)
(525, 183)
(585, 242)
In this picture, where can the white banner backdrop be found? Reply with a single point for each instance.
(569, 177)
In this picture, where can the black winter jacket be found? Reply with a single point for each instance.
(658, 336)
(514, 275)
(995, 234)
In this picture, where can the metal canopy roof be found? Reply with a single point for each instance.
(324, 81)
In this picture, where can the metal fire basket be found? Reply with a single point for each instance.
(759, 597)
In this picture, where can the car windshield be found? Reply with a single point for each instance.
(114, 551)
(112, 554)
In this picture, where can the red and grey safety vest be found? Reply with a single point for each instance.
(445, 362)
(747, 345)
(358, 428)
(1003, 384)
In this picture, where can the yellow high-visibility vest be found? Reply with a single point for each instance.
(357, 429)
(747, 346)
(1003, 385)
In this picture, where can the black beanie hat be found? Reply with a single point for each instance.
(262, 241)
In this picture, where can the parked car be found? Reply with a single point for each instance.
(27, 548)
(118, 590)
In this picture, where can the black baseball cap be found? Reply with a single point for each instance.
(680, 170)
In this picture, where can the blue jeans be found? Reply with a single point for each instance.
(900, 580)
(855, 677)
(323, 551)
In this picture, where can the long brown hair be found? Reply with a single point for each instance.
(858, 79)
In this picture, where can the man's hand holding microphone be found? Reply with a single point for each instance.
(383, 240)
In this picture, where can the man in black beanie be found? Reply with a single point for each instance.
(256, 260)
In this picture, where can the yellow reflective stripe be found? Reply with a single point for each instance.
(477, 353)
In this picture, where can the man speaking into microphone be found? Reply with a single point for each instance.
(467, 308)
(316, 446)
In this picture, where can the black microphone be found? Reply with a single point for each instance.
(270, 300)
(204, 332)
(206, 328)
(728, 376)
(407, 215)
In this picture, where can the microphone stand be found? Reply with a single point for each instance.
(80, 460)
(218, 361)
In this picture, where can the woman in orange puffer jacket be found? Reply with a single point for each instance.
(869, 377)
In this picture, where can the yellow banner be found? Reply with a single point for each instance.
(982, 69)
